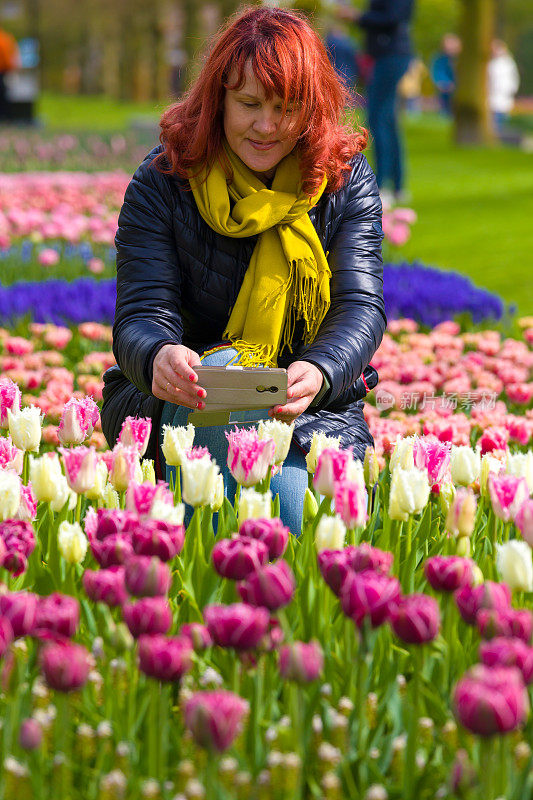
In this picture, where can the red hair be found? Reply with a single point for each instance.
(289, 60)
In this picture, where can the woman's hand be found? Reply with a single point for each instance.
(174, 378)
(303, 384)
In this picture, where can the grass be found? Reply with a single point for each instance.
(475, 206)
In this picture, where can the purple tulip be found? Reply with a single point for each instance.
(369, 596)
(20, 608)
(6, 635)
(416, 619)
(334, 566)
(112, 551)
(18, 543)
(148, 615)
(165, 658)
(491, 700)
(236, 558)
(471, 599)
(270, 531)
(238, 625)
(154, 537)
(364, 557)
(215, 718)
(502, 652)
(58, 613)
(448, 573)
(106, 585)
(301, 662)
(509, 622)
(198, 634)
(271, 586)
(114, 520)
(65, 666)
(147, 576)
(463, 776)
(30, 734)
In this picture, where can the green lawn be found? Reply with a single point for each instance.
(475, 206)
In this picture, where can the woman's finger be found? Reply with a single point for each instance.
(177, 397)
(173, 383)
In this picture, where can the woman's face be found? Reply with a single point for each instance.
(254, 126)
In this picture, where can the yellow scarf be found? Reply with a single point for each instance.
(288, 275)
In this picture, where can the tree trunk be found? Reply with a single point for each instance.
(473, 124)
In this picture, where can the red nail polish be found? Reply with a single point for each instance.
(191, 377)
(200, 405)
(200, 392)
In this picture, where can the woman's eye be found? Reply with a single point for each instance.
(250, 105)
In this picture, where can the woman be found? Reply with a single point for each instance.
(256, 226)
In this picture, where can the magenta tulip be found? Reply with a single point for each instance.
(507, 493)
(509, 622)
(270, 531)
(112, 551)
(524, 520)
(503, 652)
(106, 585)
(165, 658)
(448, 573)
(30, 734)
(114, 520)
(198, 634)
(416, 619)
(65, 666)
(17, 544)
(58, 613)
(471, 599)
(369, 596)
(236, 558)
(215, 718)
(147, 576)
(334, 566)
(238, 625)
(153, 537)
(301, 662)
(6, 635)
(20, 609)
(271, 586)
(148, 615)
(364, 557)
(491, 700)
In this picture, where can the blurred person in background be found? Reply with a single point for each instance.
(9, 60)
(410, 87)
(342, 51)
(443, 68)
(503, 83)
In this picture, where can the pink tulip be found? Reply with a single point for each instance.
(270, 531)
(271, 586)
(237, 558)
(334, 566)
(65, 666)
(112, 551)
(524, 520)
(111, 520)
(59, 614)
(77, 421)
(507, 493)
(18, 543)
(27, 510)
(351, 503)
(448, 573)
(198, 634)
(80, 467)
(368, 596)
(364, 557)
(136, 433)
(48, 257)
(399, 234)
(332, 467)
(106, 585)
(9, 399)
(95, 265)
(509, 622)
(157, 538)
(30, 734)
(147, 576)
(140, 497)
(239, 625)
(433, 456)
(471, 599)
(58, 337)
(6, 635)
(148, 615)
(10, 456)
(416, 619)
(165, 658)
(301, 662)
(215, 718)
(20, 609)
(504, 652)
(489, 701)
(249, 457)
(493, 439)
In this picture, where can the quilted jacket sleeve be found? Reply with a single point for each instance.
(354, 325)
(148, 277)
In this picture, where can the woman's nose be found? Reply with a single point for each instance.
(266, 122)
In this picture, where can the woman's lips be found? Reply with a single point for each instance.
(262, 145)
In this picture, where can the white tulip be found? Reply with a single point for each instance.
(9, 494)
(281, 432)
(402, 455)
(110, 497)
(45, 474)
(97, 489)
(199, 480)
(489, 464)
(218, 497)
(72, 542)
(63, 493)
(465, 465)
(330, 533)
(514, 563)
(521, 466)
(25, 427)
(176, 442)
(166, 512)
(318, 443)
(254, 505)
(126, 467)
(409, 492)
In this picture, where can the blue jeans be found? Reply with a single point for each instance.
(383, 119)
(290, 484)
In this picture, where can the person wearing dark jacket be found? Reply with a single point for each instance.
(253, 232)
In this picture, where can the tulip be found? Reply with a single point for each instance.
(96, 491)
(215, 718)
(463, 776)
(369, 596)
(310, 509)
(80, 467)
(330, 533)
(301, 662)
(77, 421)
(156, 538)
(6, 635)
(503, 652)
(113, 550)
(318, 443)
(239, 626)
(112, 520)
(176, 442)
(148, 471)
(25, 427)
(249, 457)
(489, 465)
(371, 467)
(270, 531)
(72, 542)
(334, 566)
(448, 573)
(106, 585)
(416, 619)
(507, 494)
(65, 666)
(9, 494)
(434, 457)
(45, 474)
(140, 497)
(513, 560)
(165, 658)
(409, 493)
(27, 510)
(489, 701)
(364, 557)
(110, 497)
(199, 477)
(491, 595)
(147, 576)
(198, 634)
(20, 609)
(9, 400)
(58, 613)
(465, 465)
(271, 586)
(17, 543)
(125, 467)
(351, 503)
(136, 433)
(254, 505)
(461, 515)
(30, 734)
(218, 495)
(64, 494)
(172, 515)
(524, 521)
(10, 456)
(281, 433)
(510, 622)
(236, 558)
(521, 466)
(402, 455)
(148, 615)
(332, 467)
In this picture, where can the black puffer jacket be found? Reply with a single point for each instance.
(177, 281)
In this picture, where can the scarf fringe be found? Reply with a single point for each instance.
(254, 355)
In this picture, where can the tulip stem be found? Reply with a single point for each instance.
(25, 467)
(409, 774)
(360, 697)
(153, 729)
(487, 785)
(78, 509)
(237, 498)
(177, 486)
